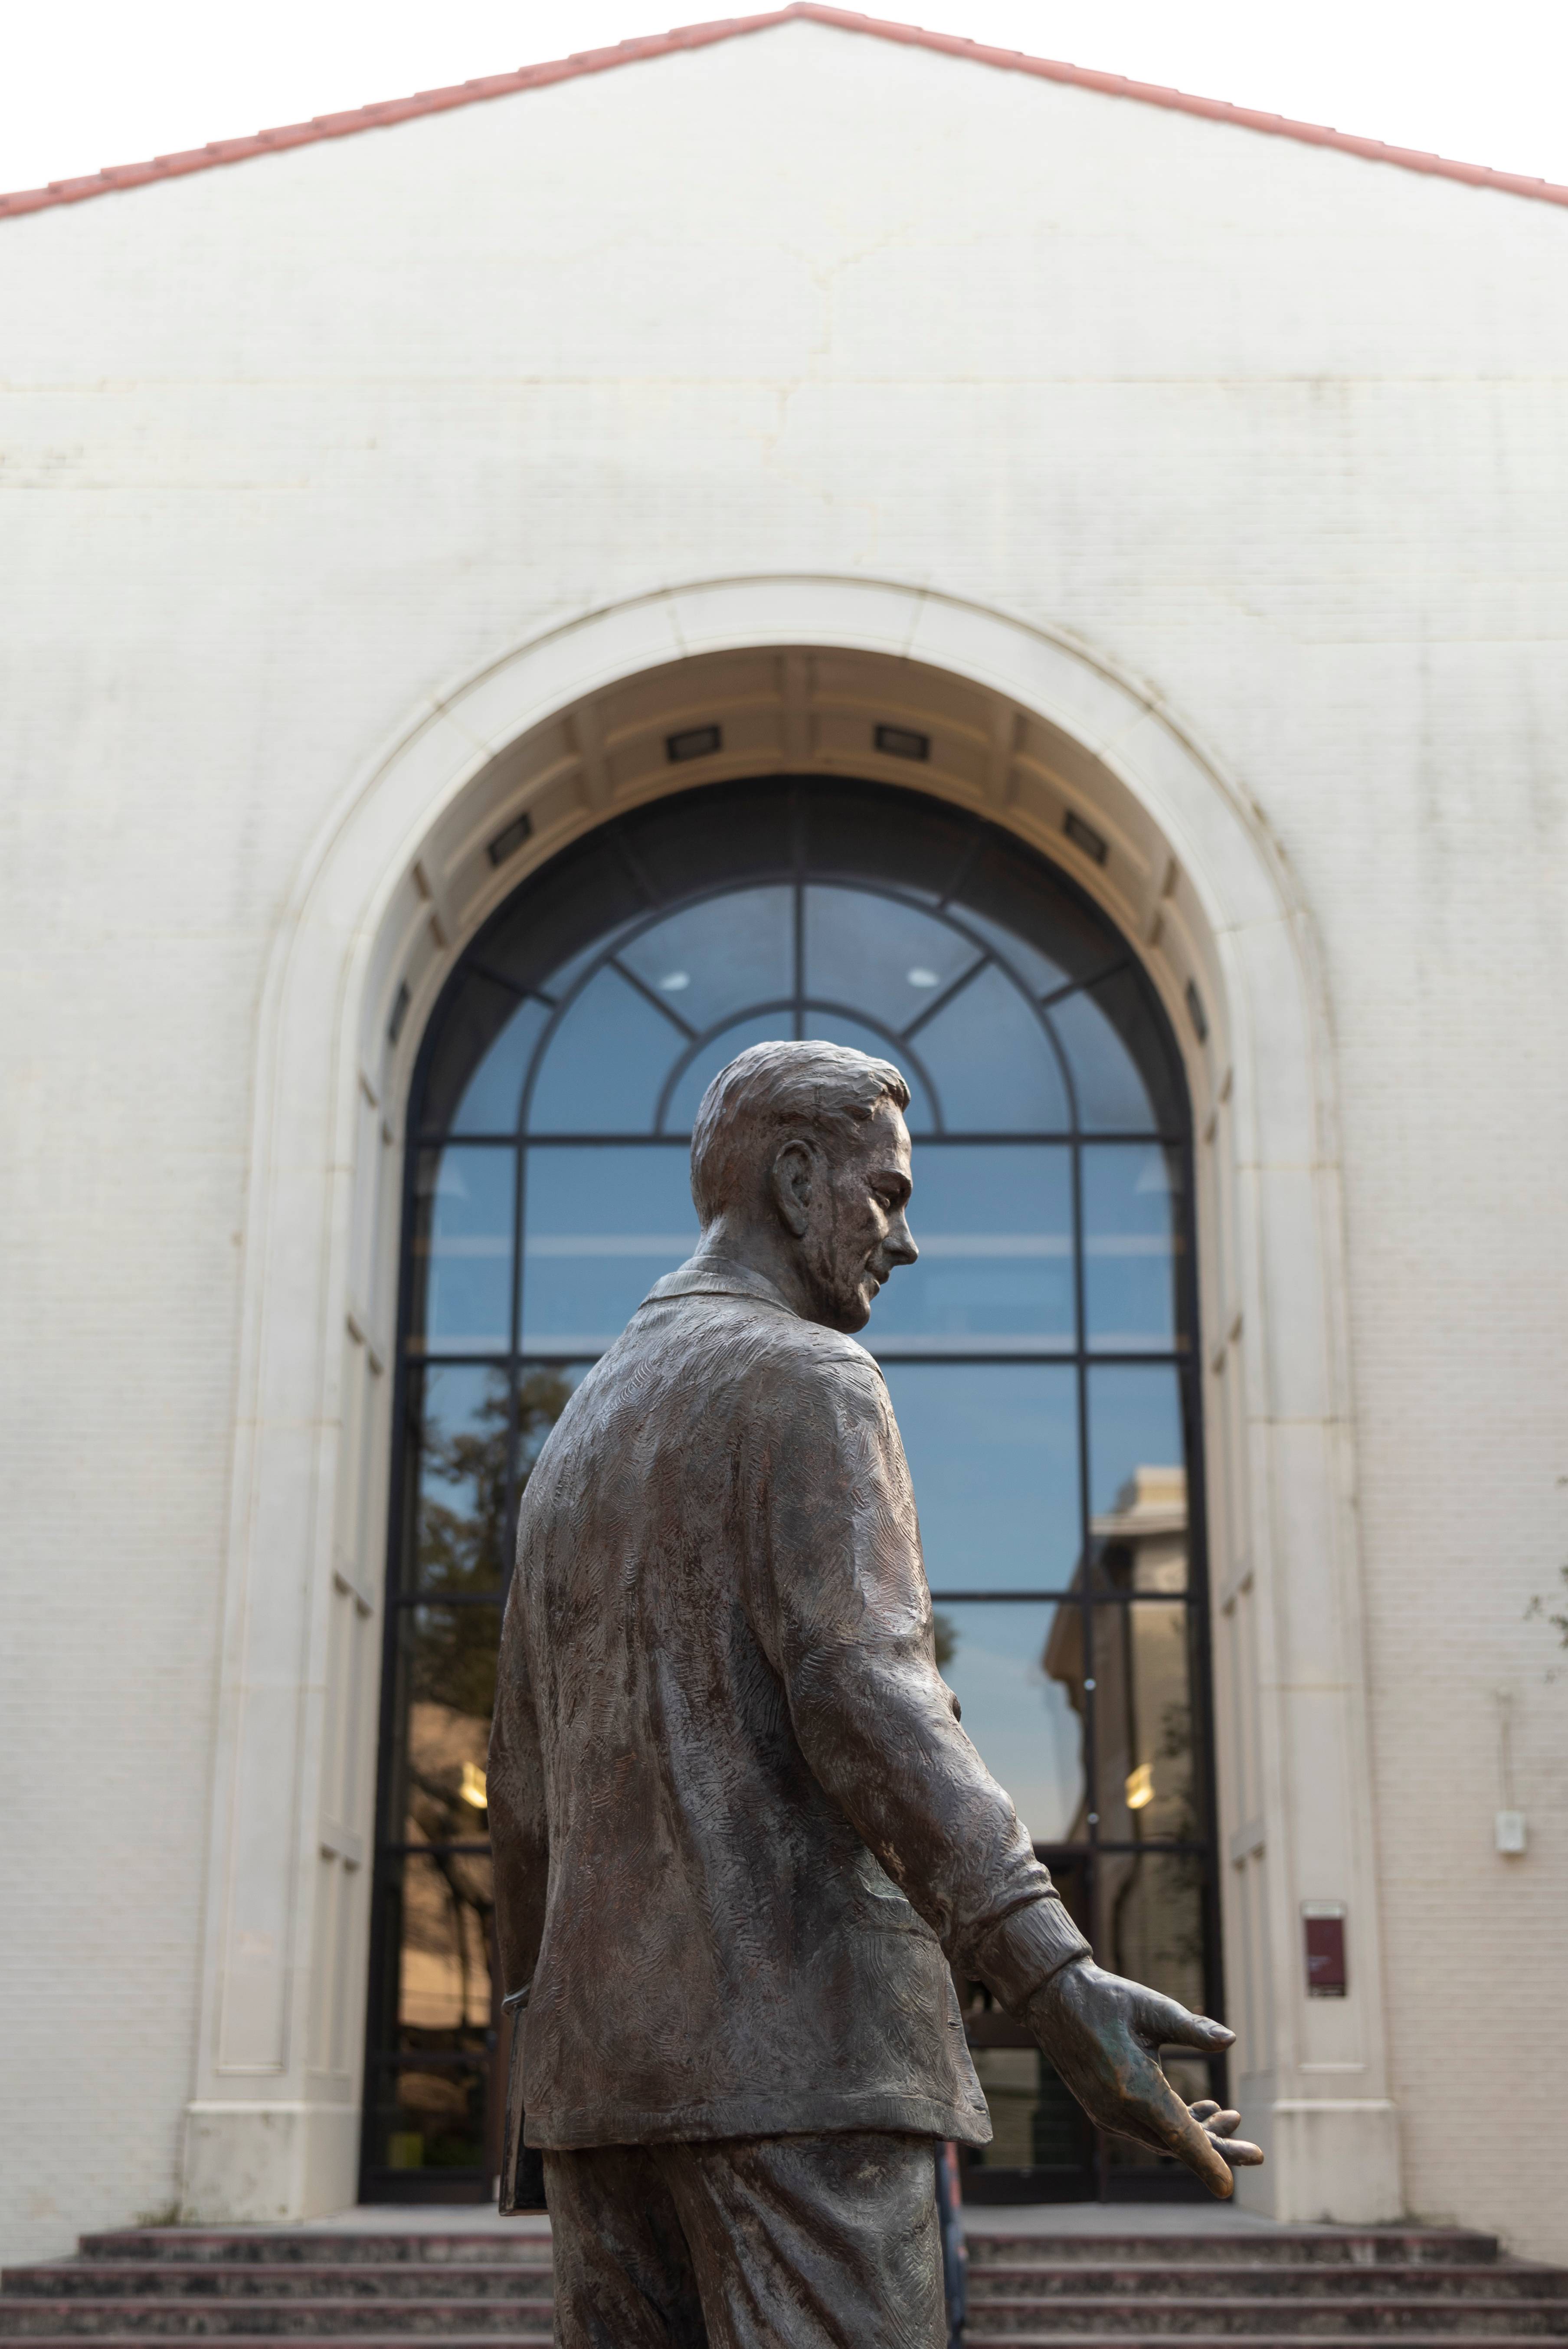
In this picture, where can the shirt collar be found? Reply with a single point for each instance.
(715, 1276)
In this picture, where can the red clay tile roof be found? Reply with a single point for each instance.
(700, 37)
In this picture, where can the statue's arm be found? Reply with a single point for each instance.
(520, 1830)
(844, 1614)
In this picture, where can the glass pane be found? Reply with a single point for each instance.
(462, 1249)
(994, 1226)
(989, 1061)
(1112, 1097)
(767, 1028)
(720, 957)
(1144, 1733)
(829, 1029)
(431, 2118)
(1038, 2122)
(1138, 1479)
(1039, 973)
(1131, 1248)
(569, 906)
(1148, 1922)
(605, 1063)
(600, 1226)
(493, 1094)
(730, 832)
(993, 1453)
(445, 1911)
(446, 1667)
(1021, 1707)
(1027, 899)
(459, 1437)
(901, 837)
(872, 953)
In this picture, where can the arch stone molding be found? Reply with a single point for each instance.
(1032, 730)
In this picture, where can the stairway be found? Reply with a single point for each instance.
(1429, 2288)
(1421, 2287)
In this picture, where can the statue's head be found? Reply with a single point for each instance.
(802, 1148)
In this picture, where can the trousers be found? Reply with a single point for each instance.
(784, 2243)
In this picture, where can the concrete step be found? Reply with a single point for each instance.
(215, 2318)
(1108, 2317)
(141, 2280)
(1357, 2247)
(312, 2246)
(1048, 2280)
(1366, 2319)
(95, 2281)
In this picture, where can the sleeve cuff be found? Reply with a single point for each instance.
(1020, 1953)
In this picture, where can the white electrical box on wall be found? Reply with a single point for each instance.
(1511, 1833)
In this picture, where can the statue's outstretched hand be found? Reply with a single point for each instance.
(1104, 2036)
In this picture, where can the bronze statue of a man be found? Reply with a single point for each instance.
(742, 1844)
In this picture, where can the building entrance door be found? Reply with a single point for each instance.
(1040, 1356)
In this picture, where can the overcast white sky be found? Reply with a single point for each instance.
(88, 82)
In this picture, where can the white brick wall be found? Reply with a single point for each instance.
(287, 449)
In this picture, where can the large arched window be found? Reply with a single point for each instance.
(1040, 1357)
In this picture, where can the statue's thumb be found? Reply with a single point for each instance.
(1174, 2027)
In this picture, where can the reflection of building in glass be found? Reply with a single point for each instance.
(1141, 1784)
(447, 1899)
(1123, 1656)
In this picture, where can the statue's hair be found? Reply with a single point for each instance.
(771, 1092)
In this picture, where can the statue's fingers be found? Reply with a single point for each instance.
(1217, 2123)
(1204, 2110)
(1164, 2118)
(1191, 2143)
(1238, 2152)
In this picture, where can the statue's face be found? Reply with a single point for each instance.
(855, 1194)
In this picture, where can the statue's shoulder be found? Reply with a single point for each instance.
(750, 1335)
(805, 1352)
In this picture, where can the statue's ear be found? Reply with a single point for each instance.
(791, 1183)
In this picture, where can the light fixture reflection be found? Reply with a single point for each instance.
(1140, 1786)
(473, 1788)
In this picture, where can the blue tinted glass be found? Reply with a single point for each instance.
(465, 1240)
(769, 1027)
(1017, 1671)
(492, 1094)
(873, 955)
(464, 1435)
(1138, 1479)
(1111, 1096)
(721, 957)
(994, 1226)
(1037, 971)
(829, 1029)
(605, 1064)
(1130, 1248)
(992, 1452)
(600, 1226)
(992, 1069)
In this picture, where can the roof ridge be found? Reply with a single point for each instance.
(389, 111)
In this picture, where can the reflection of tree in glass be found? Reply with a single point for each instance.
(1181, 1817)
(450, 1651)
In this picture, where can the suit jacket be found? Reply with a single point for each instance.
(739, 1833)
